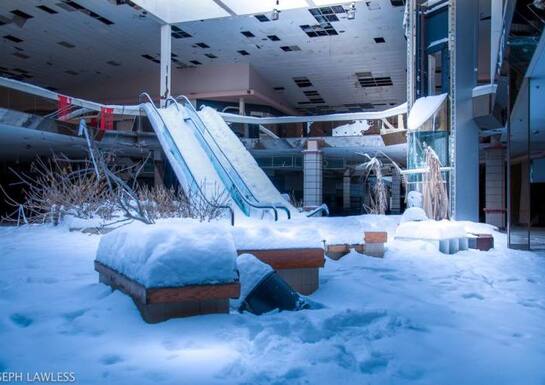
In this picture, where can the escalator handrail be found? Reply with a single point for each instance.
(218, 162)
(186, 167)
(192, 109)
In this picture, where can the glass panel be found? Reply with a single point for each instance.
(519, 174)
(537, 164)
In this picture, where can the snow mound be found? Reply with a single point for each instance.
(423, 109)
(251, 271)
(430, 229)
(414, 214)
(174, 253)
(259, 236)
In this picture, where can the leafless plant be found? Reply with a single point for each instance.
(58, 186)
(434, 192)
(161, 202)
(378, 195)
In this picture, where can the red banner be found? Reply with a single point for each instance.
(106, 119)
(63, 106)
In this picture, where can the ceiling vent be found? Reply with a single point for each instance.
(202, 45)
(302, 82)
(243, 52)
(195, 62)
(366, 80)
(273, 38)
(211, 56)
(397, 3)
(379, 40)
(151, 58)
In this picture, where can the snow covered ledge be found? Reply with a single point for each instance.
(172, 269)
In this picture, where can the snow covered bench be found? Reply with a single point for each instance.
(175, 269)
(449, 237)
(299, 267)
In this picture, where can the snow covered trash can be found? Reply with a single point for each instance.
(263, 290)
(175, 269)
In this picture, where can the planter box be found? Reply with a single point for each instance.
(336, 252)
(483, 242)
(299, 267)
(160, 304)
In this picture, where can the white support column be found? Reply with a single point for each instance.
(312, 175)
(242, 111)
(495, 204)
(166, 49)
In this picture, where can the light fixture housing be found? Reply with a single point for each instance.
(275, 15)
(351, 12)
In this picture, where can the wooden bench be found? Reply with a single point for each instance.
(373, 246)
(162, 303)
(299, 267)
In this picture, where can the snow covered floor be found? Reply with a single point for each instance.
(415, 317)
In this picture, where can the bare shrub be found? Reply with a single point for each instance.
(378, 195)
(434, 192)
(161, 202)
(58, 186)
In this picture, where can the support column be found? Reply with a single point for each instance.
(400, 122)
(495, 186)
(395, 198)
(312, 175)
(346, 191)
(242, 111)
(158, 169)
(166, 49)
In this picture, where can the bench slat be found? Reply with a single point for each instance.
(296, 258)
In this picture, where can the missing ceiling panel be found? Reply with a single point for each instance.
(290, 48)
(326, 14)
(46, 9)
(397, 3)
(13, 38)
(113, 63)
(179, 33)
(195, 62)
(262, 18)
(379, 40)
(151, 58)
(71, 72)
(279, 89)
(211, 56)
(248, 34)
(66, 44)
(21, 14)
(201, 45)
(273, 38)
(70, 5)
(243, 52)
(318, 30)
(311, 93)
